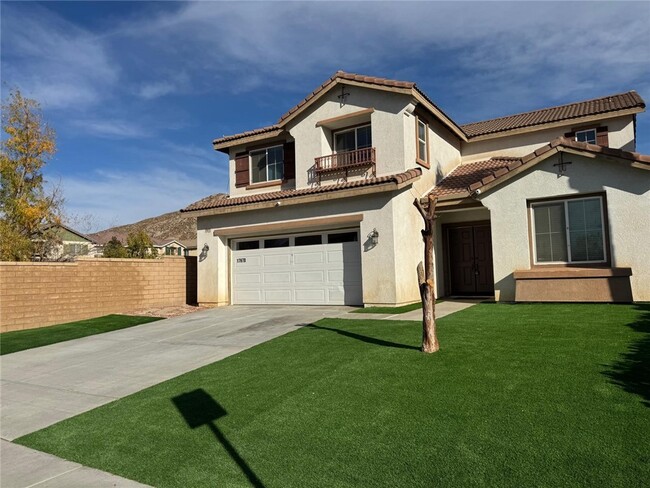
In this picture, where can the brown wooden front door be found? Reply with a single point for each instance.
(470, 260)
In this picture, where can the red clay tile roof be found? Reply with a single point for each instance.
(596, 106)
(467, 178)
(253, 132)
(611, 103)
(464, 175)
(210, 202)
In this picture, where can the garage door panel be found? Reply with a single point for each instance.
(306, 296)
(309, 277)
(308, 257)
(246, 278)
(247, 261)
(277, 259)
(271, 277)
(277, 296)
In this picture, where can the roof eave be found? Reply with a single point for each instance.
(555, 148)
(439, 114)
(226, 145)
(303, 199)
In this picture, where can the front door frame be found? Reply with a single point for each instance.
(446, 252)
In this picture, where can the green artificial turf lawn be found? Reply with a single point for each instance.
(518, 396)
(27, 339)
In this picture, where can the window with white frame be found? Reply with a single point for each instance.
(422, 131)
(352, 139)
(267, 164)
(588, 136)
(569, 231)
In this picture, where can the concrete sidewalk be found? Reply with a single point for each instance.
(23, 467)
(45, 385)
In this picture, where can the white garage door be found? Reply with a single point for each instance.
(312, 269)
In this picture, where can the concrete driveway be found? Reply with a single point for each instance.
(42, 386)
(45, 385)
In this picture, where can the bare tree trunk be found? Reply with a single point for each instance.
(426, 278)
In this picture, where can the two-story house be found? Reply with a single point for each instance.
(552, 204)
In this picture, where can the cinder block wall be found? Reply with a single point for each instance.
(41, 294)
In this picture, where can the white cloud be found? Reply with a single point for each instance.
(156, 89)
(111, 128)
(53, 60)
(120, 197)
(491, 54)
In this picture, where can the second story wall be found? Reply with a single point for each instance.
(262, 187)
(620, 134)
(314, 130)
(442, 149)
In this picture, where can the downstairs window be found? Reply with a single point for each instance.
(568, 231)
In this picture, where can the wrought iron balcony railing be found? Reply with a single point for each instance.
(345, 161)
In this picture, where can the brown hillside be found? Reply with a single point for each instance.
(165, 227)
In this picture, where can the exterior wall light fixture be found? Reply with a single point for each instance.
(374, 236)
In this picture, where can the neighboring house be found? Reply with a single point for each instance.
(551, 204)
(190, 247)
(169, 247)
(71, 244)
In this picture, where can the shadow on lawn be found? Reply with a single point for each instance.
(632, 370)
(362, 338)
(198, 408)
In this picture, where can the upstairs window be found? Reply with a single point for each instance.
(267, 164)
(352, 139)
(569, 231)
(588, 136)
(422, 142)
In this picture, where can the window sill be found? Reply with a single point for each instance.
(423, 163)
(264, 184)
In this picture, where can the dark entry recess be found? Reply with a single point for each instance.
(469, 264)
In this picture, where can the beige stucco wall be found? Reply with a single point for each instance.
(386, 121)
(388, 271)
(620, 135)
(393, 137)
(628, 207)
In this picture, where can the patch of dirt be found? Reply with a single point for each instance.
(167, 312)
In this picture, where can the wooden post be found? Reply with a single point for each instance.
(426, 278)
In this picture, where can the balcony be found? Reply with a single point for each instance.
(343, 162)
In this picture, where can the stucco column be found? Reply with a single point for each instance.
(213, 269)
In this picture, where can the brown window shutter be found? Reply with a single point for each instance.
(289, 160)
(241, 170)
(601, 136)
(570, 135)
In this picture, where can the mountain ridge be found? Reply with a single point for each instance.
(161, 228)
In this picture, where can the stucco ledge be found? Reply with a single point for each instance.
(573, 285)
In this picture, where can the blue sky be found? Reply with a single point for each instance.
(137, 90)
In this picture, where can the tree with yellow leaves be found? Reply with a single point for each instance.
(28, 213)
